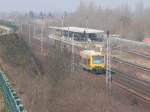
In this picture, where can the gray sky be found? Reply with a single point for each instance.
(57, 5)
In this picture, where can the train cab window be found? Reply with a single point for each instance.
(98, 59)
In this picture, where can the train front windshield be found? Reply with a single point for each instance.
(98, 59)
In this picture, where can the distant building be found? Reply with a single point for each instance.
(80, 34)
(147, 38)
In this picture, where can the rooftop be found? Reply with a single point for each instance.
(92, 52)
(78, 29)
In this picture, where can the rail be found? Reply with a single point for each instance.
(137, 87)
(131, 64)
(134, 52)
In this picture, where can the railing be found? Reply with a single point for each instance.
(11, 100)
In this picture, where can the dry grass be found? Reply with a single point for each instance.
(2, 106)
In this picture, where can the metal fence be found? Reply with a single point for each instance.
(11, 100)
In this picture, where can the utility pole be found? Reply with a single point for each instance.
(68, 34)
(34, 30)
(87, 22)
(108, 64)
(42, 29)
(72, 62)
(62, 24)
(62, 34)
(21, 28)
(29, 34)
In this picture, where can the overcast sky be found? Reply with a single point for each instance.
(57, 5)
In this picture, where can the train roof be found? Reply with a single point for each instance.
(78, 29)
(90, 52)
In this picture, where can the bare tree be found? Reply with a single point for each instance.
(120, 20)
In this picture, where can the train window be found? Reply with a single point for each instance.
(98, 59)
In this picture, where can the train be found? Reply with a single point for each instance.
(93, 61)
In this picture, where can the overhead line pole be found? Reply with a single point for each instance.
(87, 22)
(62, 33)
(42, 29)
(29, 34)
(73, 58)
(108, 65)
(21, 28)
(34, 30)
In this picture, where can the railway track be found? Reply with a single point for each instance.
(137, 87)
(139, 54)
(144, 55)
(131, 64)
(130, 86)
(134, 86)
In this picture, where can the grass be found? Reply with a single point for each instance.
(135, 101)
(2, 107)
(57, 67)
